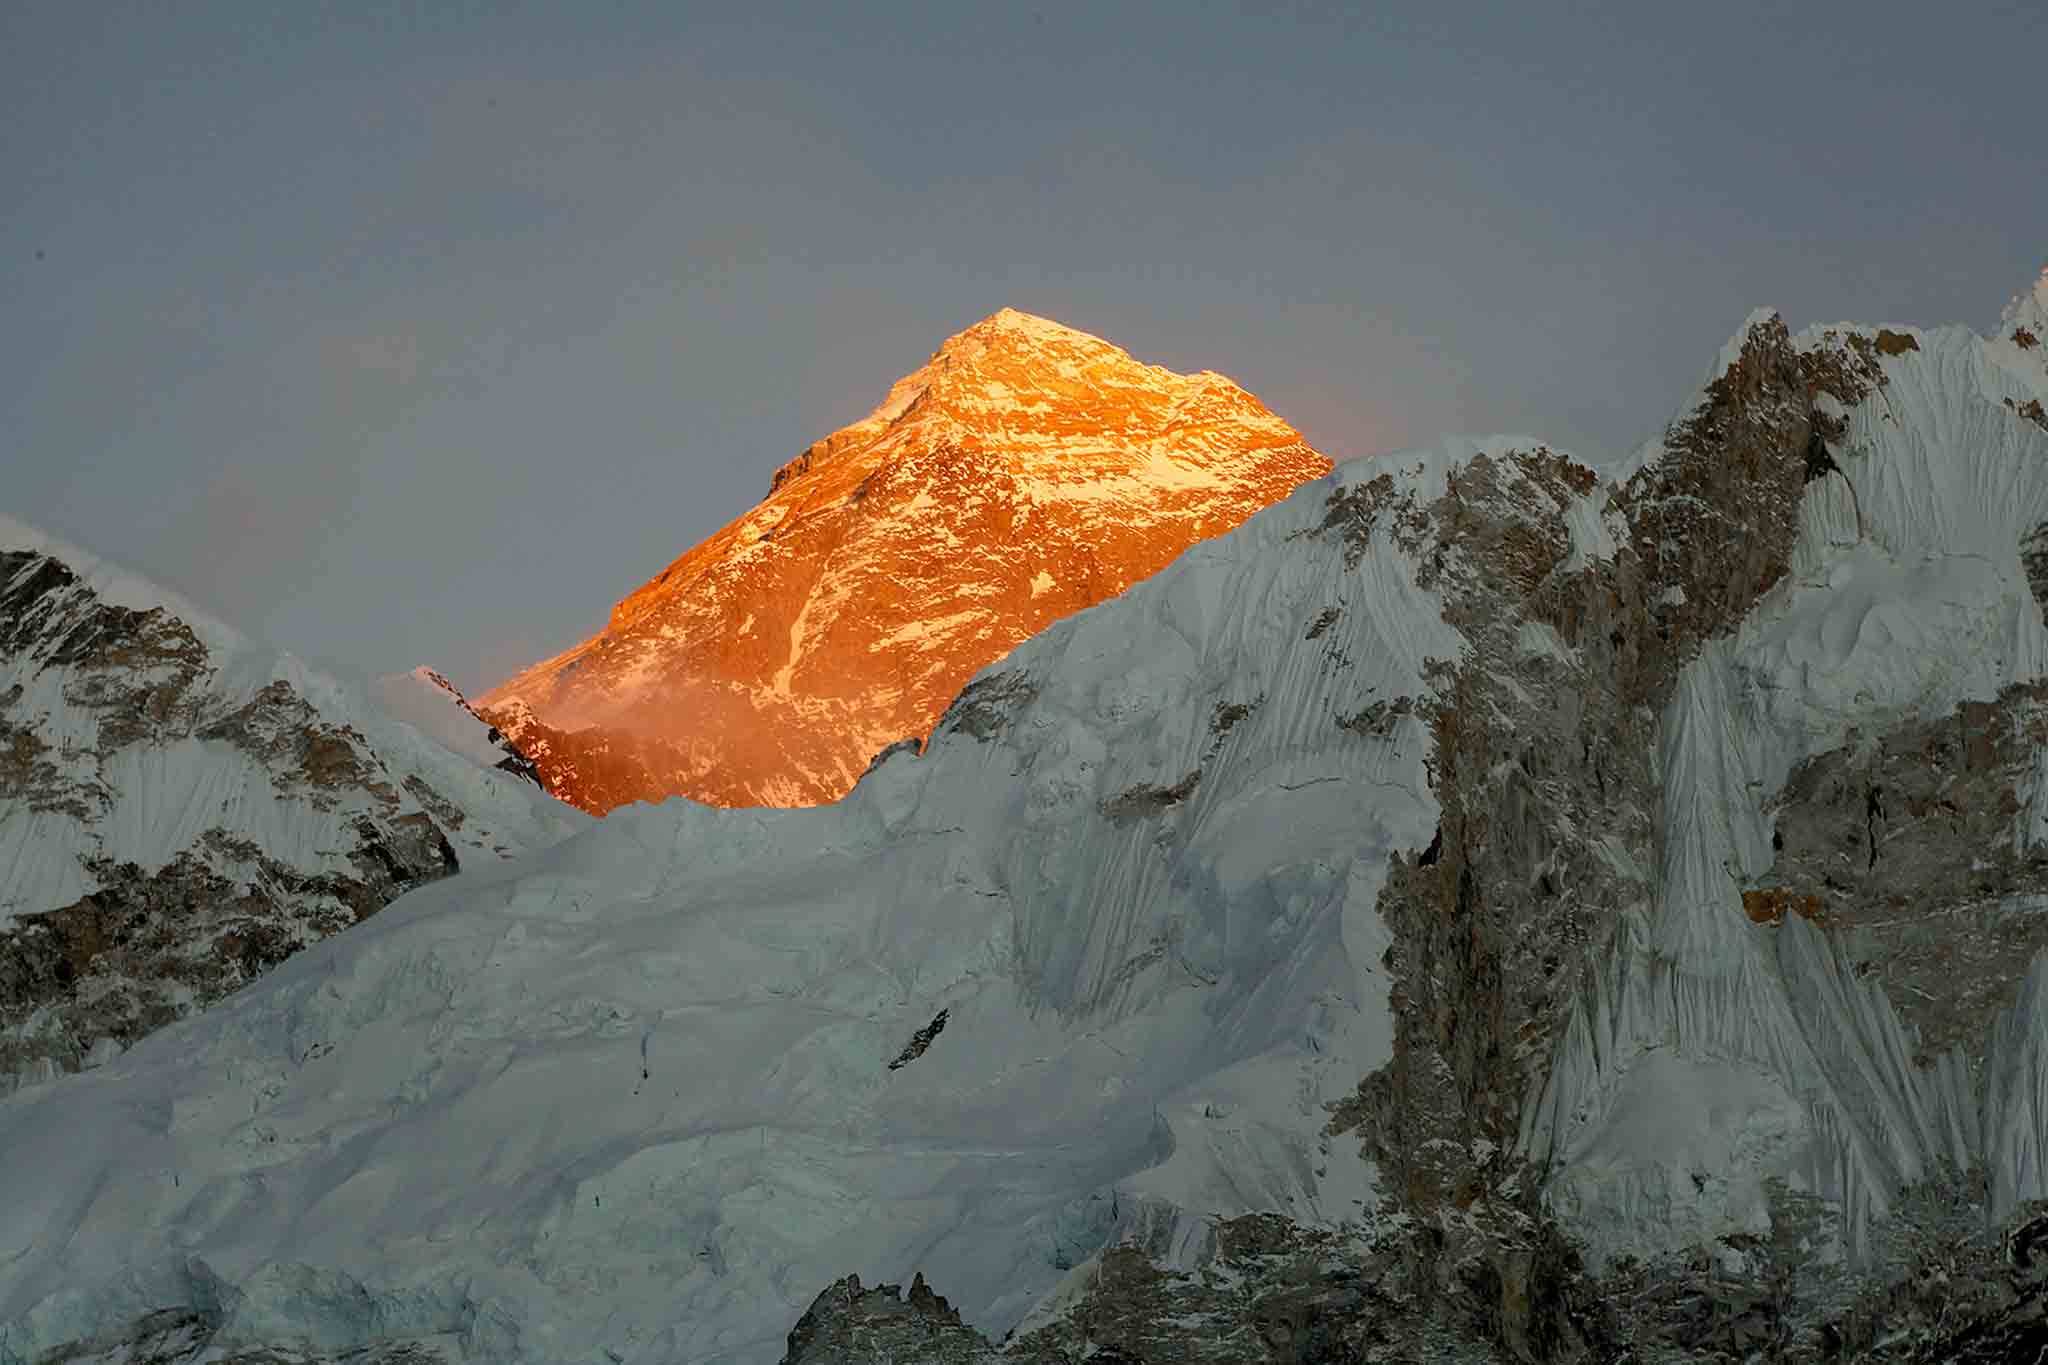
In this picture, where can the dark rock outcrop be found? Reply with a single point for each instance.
(120, 728)
(919, 1042)
(146, 948)
(1914, 844)
(1545, 743)
(849, 1325)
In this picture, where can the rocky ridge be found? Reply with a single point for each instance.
(1399, 930)
(1907, 857)
(422, 698)
(181, 811)
(1027, 471)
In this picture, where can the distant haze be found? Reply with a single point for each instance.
(420, 334)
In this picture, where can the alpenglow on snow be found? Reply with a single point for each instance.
(1024, 472)
(1498, 909)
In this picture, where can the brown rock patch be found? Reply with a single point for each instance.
(1770, 905)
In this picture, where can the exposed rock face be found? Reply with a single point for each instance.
(919, 1042)
(1973, 1296)
(1027, 471)
(1271, 1292)
(180, 812)
(145, 948)
(596, 767)
(1925, 847)
(1915, 847)
(1580, 609)
(1474, 912)
(849, 1325)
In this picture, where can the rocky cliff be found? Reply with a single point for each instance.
(1476, 910)
(1716, 984)
(181, 810)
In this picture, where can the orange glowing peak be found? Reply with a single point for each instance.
(1025, 471)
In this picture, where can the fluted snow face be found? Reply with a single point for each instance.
(2016, 1097)
(1715, 1054)
(633, 1093)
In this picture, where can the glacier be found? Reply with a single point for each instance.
(629, 1094)
(1097, 967)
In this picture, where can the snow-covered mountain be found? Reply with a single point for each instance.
(181, 809)
(427, 701)
(1026, 471)
(1468, 912)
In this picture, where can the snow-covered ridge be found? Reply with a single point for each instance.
(1715, 1057)
(117, 586)
(180, 808)
(427, 701)
(1429, 847)
(1800, 672)
(2027, 310)
(2021, 346)
(1136, 868)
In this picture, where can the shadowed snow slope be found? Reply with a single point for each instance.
(432, 705)
(1425, 846)
(1714, 1055)
(181, 808)
(1793, 662)
(633, 1092)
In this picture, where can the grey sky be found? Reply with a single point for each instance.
(420, 333)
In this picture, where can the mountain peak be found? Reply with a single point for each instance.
(1025, 471)
(1012, 338)
(1015, 326)
(1017, 379)
(1005, 352)
(1018, 332)
(2027, 315)
(113, 584)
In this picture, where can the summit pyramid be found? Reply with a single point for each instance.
(1027, 470)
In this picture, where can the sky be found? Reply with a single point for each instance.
(404, 334)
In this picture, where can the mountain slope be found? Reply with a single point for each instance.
(435, 707)
(1437, 920)
(633, 1092)
(1720, 982)
(1895, 665)
(1027, 471)
(181, 809)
